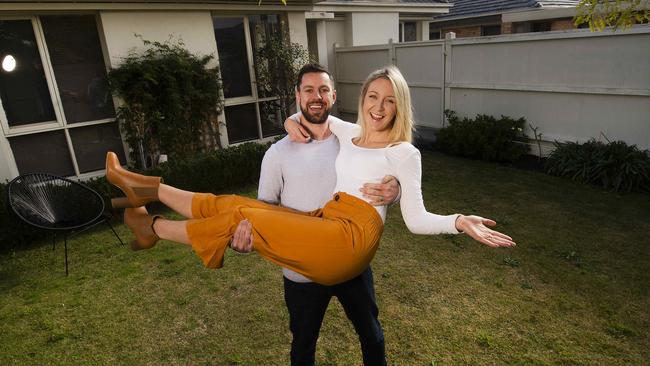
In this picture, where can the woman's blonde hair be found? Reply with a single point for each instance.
(402, 129)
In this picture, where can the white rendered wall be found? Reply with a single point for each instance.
(335, 32)
(298, 28)
(195, 29)
(322, 43)
(6, 172)
(364, 29)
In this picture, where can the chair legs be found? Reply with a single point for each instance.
(113, 230)
(65, 239)
(65, 245)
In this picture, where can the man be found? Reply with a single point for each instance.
(302, 176)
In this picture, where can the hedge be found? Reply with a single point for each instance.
(483, 137)
(214, 172)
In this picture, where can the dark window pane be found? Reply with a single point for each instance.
(23, 91)
(241, 122)
(434, 34)
(42, 153)
(271, 119)
(523, 27)
(410, 32)
(541, 27)
(263, 28)
(76, 56)
(91, 144)
(233, 58)
(491, 30)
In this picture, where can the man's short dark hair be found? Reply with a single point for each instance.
(312, 68)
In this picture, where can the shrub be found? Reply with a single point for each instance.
(484, 137)
(277, 63)
(614, 165)
(170, 101)
(215, 172)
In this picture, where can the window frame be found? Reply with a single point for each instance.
(52, 89)
(61, 122)
(254, 97)
(402, 30)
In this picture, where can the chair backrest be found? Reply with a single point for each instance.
(50, 202)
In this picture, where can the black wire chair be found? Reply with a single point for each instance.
(56, 204)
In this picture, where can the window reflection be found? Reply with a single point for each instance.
(233, 59)
(242, 123)
(9, 63)
(271, 118)
(24, 92)
(42, 153)
(91, 144)
(262, 29)
(80, 76)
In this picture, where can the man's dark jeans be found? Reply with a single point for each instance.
(307, 303)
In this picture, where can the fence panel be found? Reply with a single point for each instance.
(572, 85)
(423, 67)
(352, 67)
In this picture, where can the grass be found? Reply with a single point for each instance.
(573, 292)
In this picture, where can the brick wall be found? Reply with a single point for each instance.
(461, 32)
(506, 28)
(562, 24)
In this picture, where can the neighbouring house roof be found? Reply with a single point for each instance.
(378, 2)
(472, 8)
(224, 2)
(194, 2)
(422, 7)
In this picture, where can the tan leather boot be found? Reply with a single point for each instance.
(139, 189)
(141, 224)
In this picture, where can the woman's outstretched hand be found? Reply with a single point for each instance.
(477, 228)
(296, 132)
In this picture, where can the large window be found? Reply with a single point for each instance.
(57, 112)
(237, 40)
(408, 32)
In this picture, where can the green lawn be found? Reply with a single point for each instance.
(573, 292)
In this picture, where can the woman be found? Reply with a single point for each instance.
(329, 245)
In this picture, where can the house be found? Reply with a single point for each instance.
(474, 18)
(56, 115)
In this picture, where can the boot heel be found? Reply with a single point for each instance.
(139, 189)
(121, 202)
(135, 246)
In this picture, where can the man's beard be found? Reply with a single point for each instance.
(315, 119)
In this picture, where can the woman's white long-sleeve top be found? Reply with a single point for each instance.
(357, 165)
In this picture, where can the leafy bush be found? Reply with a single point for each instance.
(484, 137)
(614, 165)
(277, 63)
(170, 102)
(216, 172)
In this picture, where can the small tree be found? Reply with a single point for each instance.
(612, 13)
(277, 64)
(170, 102)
